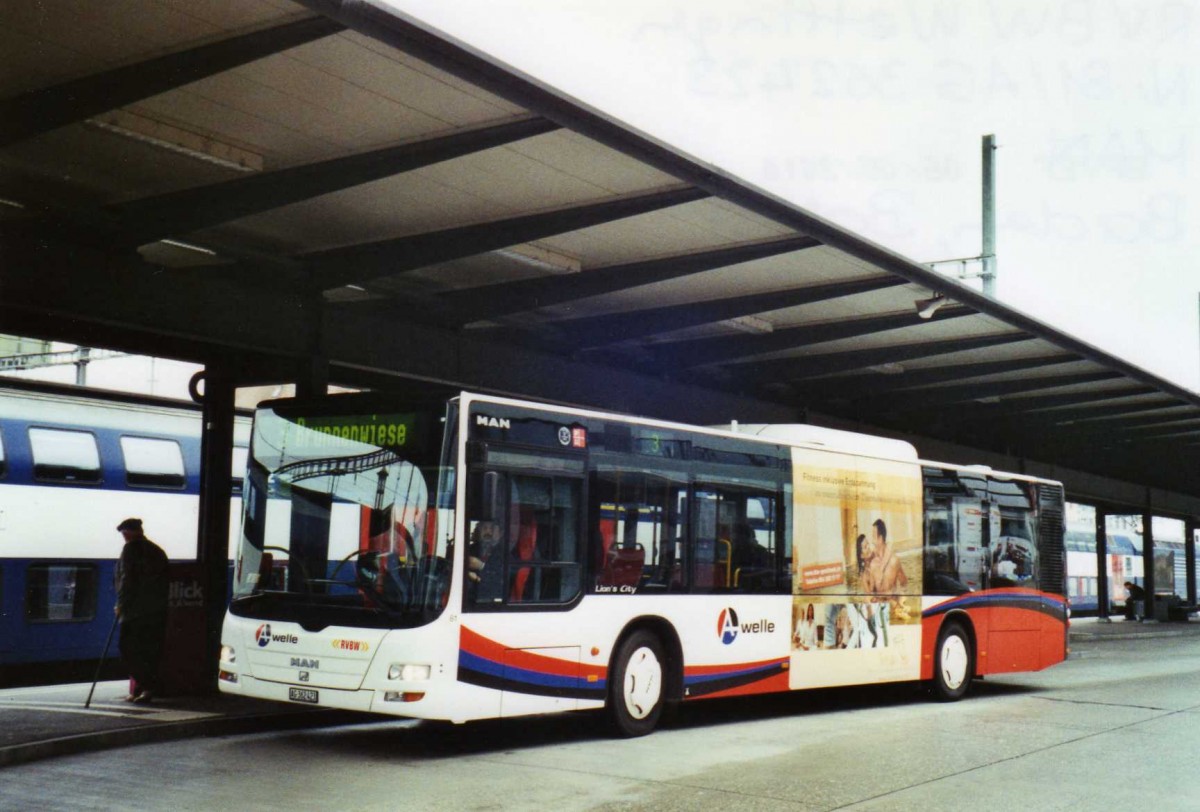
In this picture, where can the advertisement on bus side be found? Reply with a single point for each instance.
(857, 543)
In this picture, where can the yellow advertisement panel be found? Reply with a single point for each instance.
(857, 542)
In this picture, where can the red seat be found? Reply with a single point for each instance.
(623, 566)
(523, 550)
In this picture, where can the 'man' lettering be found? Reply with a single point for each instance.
(492, 422)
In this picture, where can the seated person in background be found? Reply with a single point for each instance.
(747, 552)
(1134, 595)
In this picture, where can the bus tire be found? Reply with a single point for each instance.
(637, 685)
(953, 663)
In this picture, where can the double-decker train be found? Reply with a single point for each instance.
(74, 463)
(1124, 562)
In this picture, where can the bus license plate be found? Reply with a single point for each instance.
(302, 695)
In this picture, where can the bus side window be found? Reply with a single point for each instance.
(636, 528)
(544, 553)
(1013, 559)
(733, 540)
(955, 545)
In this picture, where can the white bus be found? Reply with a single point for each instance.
(484, 557)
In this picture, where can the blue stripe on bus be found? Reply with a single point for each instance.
(523, 676)
(732, 673)
(1052, 605)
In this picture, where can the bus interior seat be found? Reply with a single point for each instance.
(623, 566)
(523, 550)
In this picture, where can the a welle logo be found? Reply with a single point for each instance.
(263, 636)
(728, 627)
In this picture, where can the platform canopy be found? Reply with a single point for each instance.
(267, 183)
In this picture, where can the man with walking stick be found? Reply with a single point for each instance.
(141, 609)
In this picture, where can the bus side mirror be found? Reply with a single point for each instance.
(493, 498)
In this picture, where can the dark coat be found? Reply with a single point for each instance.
(141, 580)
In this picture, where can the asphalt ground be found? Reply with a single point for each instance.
(42, 722)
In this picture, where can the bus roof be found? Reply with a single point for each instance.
(804, 434)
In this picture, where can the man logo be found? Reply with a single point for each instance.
(727, 625)
(263, 635)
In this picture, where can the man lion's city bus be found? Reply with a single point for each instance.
(484, 557)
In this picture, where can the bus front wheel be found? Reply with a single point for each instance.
(954, 662)
(636, 687)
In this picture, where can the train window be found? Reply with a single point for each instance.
(3, 463)
(63, 455)
(151, 463)
(60, 592)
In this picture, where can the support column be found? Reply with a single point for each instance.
(312, 379)
(1189, 554)
(1148, 559)
(212, 551)
(1101, 565)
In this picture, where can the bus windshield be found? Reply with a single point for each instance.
(341, 513)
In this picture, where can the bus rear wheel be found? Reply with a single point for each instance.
(636, 688)
(954, 663)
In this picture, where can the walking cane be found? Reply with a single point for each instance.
(100, 665)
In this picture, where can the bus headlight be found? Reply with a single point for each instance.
(228, 655)
(408, 672)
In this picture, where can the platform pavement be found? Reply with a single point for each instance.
(48, 721)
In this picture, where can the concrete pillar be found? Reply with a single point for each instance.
(1102, 598)
(312, 378)
(1189, 554)
(1148, 560)
(212, 550)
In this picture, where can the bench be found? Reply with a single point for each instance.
(1173, 608)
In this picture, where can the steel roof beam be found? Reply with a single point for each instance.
(492, 301)
(848, 387)
(1180, 423)
(1116, 411)
(600, 331)
(726, 348)
(357, 264)
(39, 111)
(811, 366)
(949, 395)
(1122, 422)
(1168, 433)
(1035, 406)
(178, 213)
